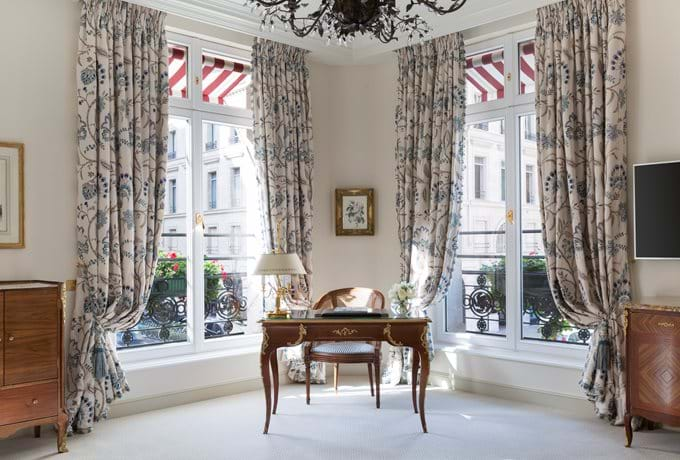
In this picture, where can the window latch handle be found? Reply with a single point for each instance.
(510, 216)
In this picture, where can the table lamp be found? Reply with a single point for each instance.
(275, 265)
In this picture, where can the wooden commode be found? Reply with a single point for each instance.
(31, 357)
(652, 361)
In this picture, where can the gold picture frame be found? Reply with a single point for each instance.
(11, 195)
(354, 212)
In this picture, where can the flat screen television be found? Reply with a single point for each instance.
(656, 203)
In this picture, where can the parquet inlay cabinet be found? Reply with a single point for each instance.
(653, 362)
(31, 357)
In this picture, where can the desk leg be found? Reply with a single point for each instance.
(266, 382)
(376, 369)
(414, 377)
(424, 375)
(275, 375)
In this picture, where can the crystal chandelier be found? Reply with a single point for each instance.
(342, 20)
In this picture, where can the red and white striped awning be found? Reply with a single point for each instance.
(486, 72)
(221, 77)
(527, 66)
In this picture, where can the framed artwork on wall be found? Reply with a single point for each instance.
(11, 195)
(354, 213)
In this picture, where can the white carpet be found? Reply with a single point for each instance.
(347, 426)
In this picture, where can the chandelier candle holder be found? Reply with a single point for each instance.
(342, 20)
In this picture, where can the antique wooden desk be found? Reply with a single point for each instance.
(409, 332)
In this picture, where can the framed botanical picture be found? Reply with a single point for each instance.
(11, 195)
(354, 211)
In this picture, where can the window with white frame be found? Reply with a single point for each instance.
(202, 297)
(172, 196)
(235, 189)
(480, 178)
(499, 292)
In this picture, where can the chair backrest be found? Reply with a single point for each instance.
(352, 297)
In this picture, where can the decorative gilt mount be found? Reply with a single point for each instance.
(344, 332)
(388, 336)
(302, 331)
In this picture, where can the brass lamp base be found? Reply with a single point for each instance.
(278, 315)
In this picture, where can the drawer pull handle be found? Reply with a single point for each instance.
(665, 324)
(11, 338)
(35, 402)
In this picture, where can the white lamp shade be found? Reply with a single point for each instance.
(279, 264)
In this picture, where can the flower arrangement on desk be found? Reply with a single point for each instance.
(401, 295)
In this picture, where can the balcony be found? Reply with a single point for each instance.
(165, 318)
(482, 292)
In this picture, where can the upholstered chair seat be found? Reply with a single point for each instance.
(344, 348)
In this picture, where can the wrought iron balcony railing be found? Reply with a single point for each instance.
(484, 294)
(165, 318)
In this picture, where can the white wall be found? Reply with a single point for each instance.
(37, 107)
(653, 115)
(353, 110)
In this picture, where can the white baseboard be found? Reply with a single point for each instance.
(125, 407)
(567, 402)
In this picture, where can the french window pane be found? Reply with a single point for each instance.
(177, 70)
(527, 67)
(233, 302)
(485, 77)
(476, 300)
(165, 317)
(225, 81)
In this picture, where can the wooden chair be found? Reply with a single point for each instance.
(347, 352)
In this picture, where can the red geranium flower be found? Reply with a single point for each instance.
(175, 267)
(173, 255)
(224, 276)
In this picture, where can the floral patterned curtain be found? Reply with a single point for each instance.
(285, 161)
(581, 118)
(430, 124)
(122, 98)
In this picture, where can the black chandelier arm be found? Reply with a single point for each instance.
(300, 31)
(272, 4)
(432, 5)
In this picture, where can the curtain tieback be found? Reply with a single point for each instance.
(603, 349)
(98, 358)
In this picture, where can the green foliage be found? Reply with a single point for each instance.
(174, 266)
(529, 264)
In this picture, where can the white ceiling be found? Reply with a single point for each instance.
(233, 15)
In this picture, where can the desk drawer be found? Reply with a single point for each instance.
(28, 403)
(655, 323)
(345, 332)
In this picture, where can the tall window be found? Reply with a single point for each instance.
(235, 187)
(480, 177)
(203, 297)
(212, 190)
(502, 289)
(529, 184)
(211, 242)
(172, 151)
(210, 137)
(234, 244)
(172, 196)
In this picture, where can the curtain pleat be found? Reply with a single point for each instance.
(582, 168)
(430, 124)
(285, 163)
(122, 101)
